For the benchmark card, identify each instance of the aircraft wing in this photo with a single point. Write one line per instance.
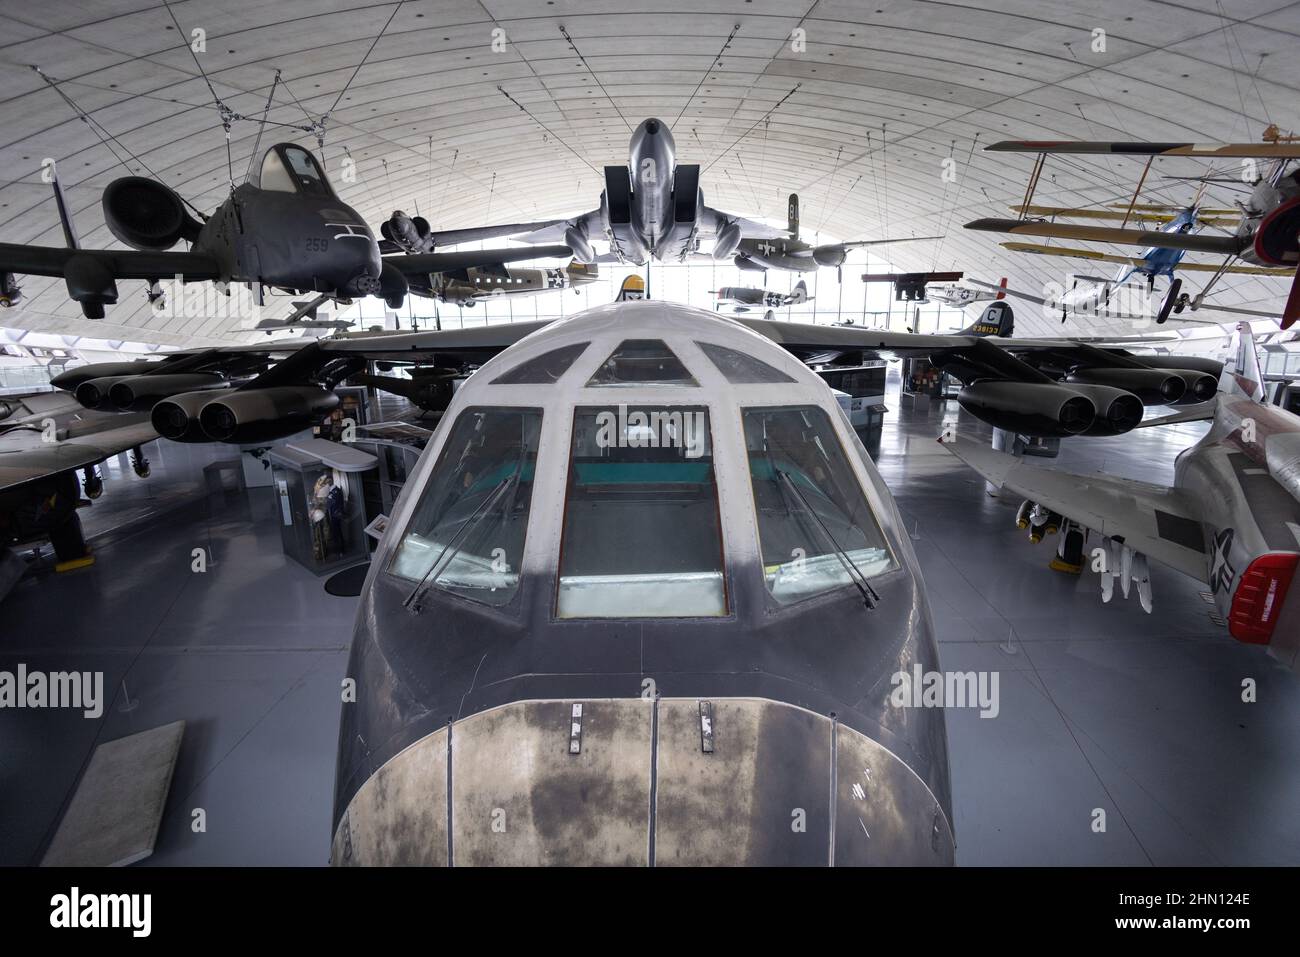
(422, 264)
(453, 237)
(477, 343)
(1192, 242)
(1244, 150)
(1189, 413)
(1158, 521)
(590, 223)
(1074, 253)
(749, 228)
(1114, 214)
(26, 461)
(885, 242)
(123, 264)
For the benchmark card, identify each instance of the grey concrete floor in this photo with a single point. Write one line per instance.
(1102, 706)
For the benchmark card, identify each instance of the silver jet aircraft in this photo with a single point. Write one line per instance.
(1231, 519)
(653, 208)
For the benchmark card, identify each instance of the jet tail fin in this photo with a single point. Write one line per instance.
(1241, 373)
(65, 216)
(792, 212)
(997, 319)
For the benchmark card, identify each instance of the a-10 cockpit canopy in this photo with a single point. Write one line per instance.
(636, 460)
(288, 168)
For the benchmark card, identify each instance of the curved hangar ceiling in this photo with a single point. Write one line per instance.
(857, 118)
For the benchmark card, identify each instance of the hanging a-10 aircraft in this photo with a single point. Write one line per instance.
(284, 227)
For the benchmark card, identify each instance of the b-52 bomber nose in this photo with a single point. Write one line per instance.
(674, 781)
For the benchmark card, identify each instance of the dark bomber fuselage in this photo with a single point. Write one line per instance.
(457, 748)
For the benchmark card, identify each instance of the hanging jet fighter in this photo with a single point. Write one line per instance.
(284, 227)
(1231, 519)
(1267, 233)
(793, 254)
(653, 208)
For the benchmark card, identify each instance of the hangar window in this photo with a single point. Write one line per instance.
(642, 536)
(543, 369)
(467, 534)
(642, 362)
(814, 522)
(742, 369)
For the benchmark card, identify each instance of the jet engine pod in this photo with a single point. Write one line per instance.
(263, 415)
(829, 255)
(577, 240)
(72, 378)
(177, 417)
(1201, 386)
(139, 393)
(1038, 409)
(727, 241)
(1117, 411)
(1152, 386)
(147, 215)
(96, 393)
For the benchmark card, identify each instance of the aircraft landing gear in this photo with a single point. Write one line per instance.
(92, 482)
(1171, 298)
(139, 463)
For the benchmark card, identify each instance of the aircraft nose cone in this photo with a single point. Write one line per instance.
(728, 781)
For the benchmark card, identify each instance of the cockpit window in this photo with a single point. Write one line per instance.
(741, 369)
(814, 522)
(467, 534)
(291, 169)
(642, 362)
(642, 536)
(543, 369)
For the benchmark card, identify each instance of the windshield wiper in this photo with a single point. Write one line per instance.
(452, 548)
(869, 595)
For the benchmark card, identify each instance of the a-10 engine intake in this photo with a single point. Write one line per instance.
(146, 215)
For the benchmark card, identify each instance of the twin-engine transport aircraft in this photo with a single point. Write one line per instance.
(1231, 519)
(284, 227)
(791, 253)
(690, 639)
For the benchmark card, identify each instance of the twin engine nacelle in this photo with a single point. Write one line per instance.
(138, 393)
(1049, 410)
(1152, 386)
(245, 415)
(147, 215)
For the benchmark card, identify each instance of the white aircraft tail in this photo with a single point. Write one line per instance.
(800, 292)
(1241, 373)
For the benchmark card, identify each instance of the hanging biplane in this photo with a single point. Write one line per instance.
(1266, 230)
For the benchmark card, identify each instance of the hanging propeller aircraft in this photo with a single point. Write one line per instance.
(1267, 232)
